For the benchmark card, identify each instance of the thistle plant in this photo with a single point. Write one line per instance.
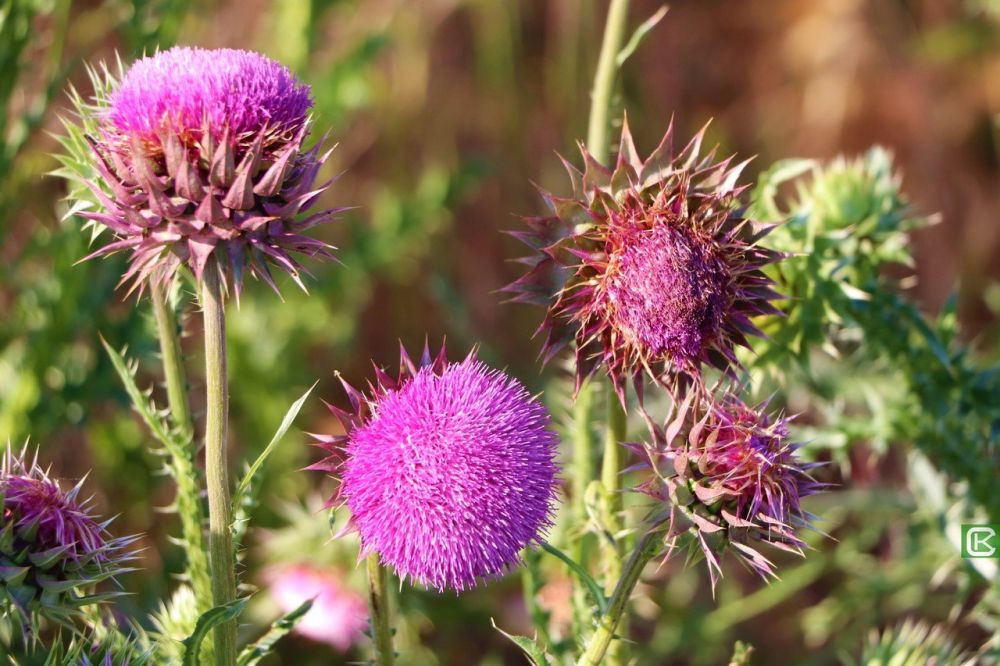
(649, 268)
(448, 471)
(730, 472)
(196, 161)
(53, 550)
(200, 156)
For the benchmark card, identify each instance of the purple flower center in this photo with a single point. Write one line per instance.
(668, 290)
(186, 89)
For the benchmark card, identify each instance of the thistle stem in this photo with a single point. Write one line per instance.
(603, 636)
(583, 474)
(173, 368)
(222, 560)
(378, 607)
(604, 80)
(611, 466)
(182, 459)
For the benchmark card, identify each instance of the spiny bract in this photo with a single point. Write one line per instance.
(648, 268)
(53, 551)
(730, 470)
(448, 470)
(199, 154)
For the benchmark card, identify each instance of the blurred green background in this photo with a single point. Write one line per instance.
(445, 112)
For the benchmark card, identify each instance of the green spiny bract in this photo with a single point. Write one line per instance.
(53, 551)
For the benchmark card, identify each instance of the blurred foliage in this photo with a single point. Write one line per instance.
(444, 114)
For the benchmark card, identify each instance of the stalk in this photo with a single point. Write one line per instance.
(604, 80)
(182, 458)
(599, 643)
(378, 607)
(583, 474)
(597, 144)
(173, 367)
(220, 542)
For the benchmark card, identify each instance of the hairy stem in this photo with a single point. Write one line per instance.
(182, 458)
(173, 367)
(604, 80)
(597, 144)
(601, 641)
(583, 474)
(378, 607)
(220, 540)
(611, 470)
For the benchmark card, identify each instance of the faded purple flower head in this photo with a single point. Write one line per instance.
(50, 537)
(732, 472)
(448, 471)
(199, 161)
(185, 90)
(338, 615)
(649, 268)
(668, 291)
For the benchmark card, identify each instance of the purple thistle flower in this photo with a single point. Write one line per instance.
(199, 155)
(649, 268)
(52, 548)
(448, 470)
(730, 471)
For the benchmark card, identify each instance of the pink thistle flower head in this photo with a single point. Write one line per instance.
(649, 268)
(448, 470)
(52, 548)
(338, 615)
(735, 476)
(198, 160)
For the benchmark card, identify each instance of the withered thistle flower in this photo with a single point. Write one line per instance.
(448, 470)
(199, 154)
(730, 471)
(53, 551)
(649, 267)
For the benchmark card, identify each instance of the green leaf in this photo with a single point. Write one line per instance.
(286, 423)
(531, 647)
(593, 588)
(640, 33)
(208, 621)
(254, 653)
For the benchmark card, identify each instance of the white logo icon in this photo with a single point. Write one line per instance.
(977, 542)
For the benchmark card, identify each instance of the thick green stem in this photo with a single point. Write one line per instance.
(583, 474)
(173, 367)
(597, 144)
(182, 459)
(611, 471)
(603, 636)
(220, 540)
(604, 80)
(378, 607)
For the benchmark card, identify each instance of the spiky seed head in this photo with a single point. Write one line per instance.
(338, 615)
(199, 154)
(649, 268)
(448, 470)
(53, 550)
(730, 470)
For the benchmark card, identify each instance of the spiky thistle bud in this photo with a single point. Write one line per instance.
(53, 550)
(649, 267)
(912, 643)
(730, 471)
(448, 470)
(200, 153)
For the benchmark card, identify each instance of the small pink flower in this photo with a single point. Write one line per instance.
(338, 617)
